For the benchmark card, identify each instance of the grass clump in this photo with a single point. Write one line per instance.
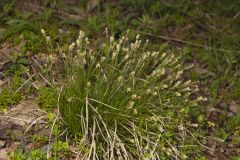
(125, 102)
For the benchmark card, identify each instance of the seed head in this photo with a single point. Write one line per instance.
(164, 55)
(86, 40)
(178, 94)
(81, 35)
(111, 39)
(78, 42)
(201, 98)
(132, 73)
(187, 82)
(134, 96)
(126, 57)
(48, 39)
(148, 91)
(130, 105)
(132, 140)
(137, 37)
(118, 47)
(129, 89)
(135, 111)
(114, 55)
(71, 46)
(120, 78)
(88, 84)
(103, 59)
(165, 86)
(43, 32)
(154, 53)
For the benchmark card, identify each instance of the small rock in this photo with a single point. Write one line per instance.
(200, 70)
(18, 120)
(14, 146)
(3, 154)
(39, 84)
(24, 113)
(61, 31)
(233, 107)
(2, 143)
(230, 114)
(1, 84)
(44, 148)
(223, 105)
(92, 4)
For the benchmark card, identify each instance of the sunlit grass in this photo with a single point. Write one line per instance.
(125, 102)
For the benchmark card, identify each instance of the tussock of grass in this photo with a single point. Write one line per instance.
(124, 102)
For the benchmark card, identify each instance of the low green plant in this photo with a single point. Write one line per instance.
(8, 98)
(125, 102)
(17, 155)
(36, 155)
(39, 138)
(235, 158)
(47, 98)
(60, 149)
(9, 94)
(61, 146)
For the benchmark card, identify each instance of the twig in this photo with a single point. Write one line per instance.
(19, 119)
(24, 83)
(231, 21)
(54, 10)
(206, 147)
(34, 122)
(45, 79)
(78, 155)
(183, 41)
(236, 16)
(39, 65)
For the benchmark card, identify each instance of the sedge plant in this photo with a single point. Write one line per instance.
(122, 101)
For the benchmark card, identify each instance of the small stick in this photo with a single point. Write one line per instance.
(34, 122)
(14, 118)
(24, 83)
(206, 147)
(54, 10)
(41, 74)
(183, 41)
(45, 80)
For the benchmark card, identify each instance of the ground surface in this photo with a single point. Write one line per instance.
(204, 33)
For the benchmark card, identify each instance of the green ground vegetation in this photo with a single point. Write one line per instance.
(203, 33)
